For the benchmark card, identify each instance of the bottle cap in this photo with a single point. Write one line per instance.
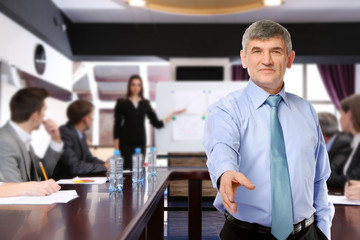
(152, 149)
(137, 150)
(116, 152)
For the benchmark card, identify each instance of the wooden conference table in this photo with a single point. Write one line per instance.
(135, 213)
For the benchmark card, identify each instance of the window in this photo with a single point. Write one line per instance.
(305, 81)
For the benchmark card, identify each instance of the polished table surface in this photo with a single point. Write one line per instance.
(97, 215)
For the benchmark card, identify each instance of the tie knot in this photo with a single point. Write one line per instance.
(273, 100)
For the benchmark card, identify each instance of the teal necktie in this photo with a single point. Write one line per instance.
(282, 215)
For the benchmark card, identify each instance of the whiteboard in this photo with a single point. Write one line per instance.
(183, 134)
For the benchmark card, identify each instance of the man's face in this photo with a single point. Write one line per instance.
(40, 117)
(266, 61)
(89, 120)
(345, 120)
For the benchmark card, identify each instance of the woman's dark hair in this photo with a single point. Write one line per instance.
(352, 103)
(131, 79)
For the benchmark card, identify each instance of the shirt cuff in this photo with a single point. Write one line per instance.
(222, 152)
(57, 147)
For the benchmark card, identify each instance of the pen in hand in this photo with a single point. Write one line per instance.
(43, 170)
(347, 180)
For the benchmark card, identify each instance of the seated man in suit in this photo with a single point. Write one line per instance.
(337, 145)
(18, 162)
(77, 159)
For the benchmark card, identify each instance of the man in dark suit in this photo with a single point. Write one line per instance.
(18, 162)
(338, 147)
(77, 159)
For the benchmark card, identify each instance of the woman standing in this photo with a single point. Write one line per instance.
(129, 127)
(350, 122)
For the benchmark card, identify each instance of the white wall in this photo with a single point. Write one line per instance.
(17, 47)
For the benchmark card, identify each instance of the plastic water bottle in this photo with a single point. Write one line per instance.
(152, 161)
(119, 173)
(137, 166)
(116, 172)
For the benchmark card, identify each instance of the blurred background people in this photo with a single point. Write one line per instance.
(337, 145)
(129, 125)
(77, 159)
(18, 162)
(350, 122)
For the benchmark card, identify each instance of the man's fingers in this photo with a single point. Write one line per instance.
(227, 189)
(244, 181)
(229, 205)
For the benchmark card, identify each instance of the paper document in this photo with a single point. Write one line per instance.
(83, 180)
(63, 196)
(335, 199)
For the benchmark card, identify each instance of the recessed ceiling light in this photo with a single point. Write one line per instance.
(272, 3)
(137, 3)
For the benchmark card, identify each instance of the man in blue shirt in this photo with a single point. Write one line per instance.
(237, 143)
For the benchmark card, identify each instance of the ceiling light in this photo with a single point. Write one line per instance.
(137, 3)
(272, 3)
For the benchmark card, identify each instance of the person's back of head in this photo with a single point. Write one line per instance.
(78, 110)
(25, 102)
(328, 124)
(352, 104)
(265, 29)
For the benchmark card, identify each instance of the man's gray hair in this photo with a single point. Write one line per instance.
(328, 124)
(265, 29)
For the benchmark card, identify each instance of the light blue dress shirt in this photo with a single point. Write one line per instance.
(237, 137)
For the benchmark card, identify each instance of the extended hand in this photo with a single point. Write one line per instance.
(229, 183)
(53, 130)
(179, 111)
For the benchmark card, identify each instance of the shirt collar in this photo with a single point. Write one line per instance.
(330, 142)
(23, 135)
(259, 95)
(78, 132)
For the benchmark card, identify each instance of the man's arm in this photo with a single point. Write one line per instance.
(29, 188)
(9, 161)
(54, 150)
(324, 209)
(222, 141)
(72, 161)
